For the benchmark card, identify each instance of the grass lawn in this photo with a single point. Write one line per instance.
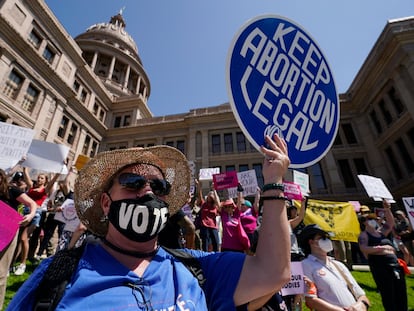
(14, 282)
(367, 283)
(364, 279)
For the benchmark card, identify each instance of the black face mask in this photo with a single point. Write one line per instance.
(139, 219)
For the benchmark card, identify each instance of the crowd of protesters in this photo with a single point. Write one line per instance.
(124, 198)
(37, 198)
(223, 224)
(396, 236)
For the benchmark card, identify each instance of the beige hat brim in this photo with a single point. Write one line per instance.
(95, 175)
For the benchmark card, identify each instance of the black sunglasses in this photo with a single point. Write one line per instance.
(136, 182)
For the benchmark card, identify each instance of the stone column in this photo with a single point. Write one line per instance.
(81, 140)
(54, 126)
(205, 149)
(403, 81)
(144, 95)
(94, 60)
(111, 68)
(138, 85)
(126, 77)
(22, 91)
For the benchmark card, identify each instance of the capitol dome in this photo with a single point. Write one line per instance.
(113, 55)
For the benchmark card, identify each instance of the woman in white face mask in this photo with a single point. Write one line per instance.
(328, 280)
(388, 275)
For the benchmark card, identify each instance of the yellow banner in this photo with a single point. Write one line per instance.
(337, 218)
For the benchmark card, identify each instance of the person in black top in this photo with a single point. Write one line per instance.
(382, 260)
(176, 232)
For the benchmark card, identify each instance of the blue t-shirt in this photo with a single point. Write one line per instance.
(102, 283)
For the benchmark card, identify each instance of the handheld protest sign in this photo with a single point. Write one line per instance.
(278, 80)
(81, 161)
(302, 179)
(409, 207)
(68, 215)
(225, 180)
(248, 180)
(47, 156)
(207, 173)
(296, 284)
(9, 224)
(14, 144)
(292, 191)
(376, 188)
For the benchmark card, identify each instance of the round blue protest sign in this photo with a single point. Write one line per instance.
(278, 80)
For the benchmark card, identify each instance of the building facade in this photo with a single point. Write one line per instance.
(90, 93)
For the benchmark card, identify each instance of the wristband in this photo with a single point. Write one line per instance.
(275, 198)
(273, 186)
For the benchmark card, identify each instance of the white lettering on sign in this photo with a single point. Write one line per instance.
(294, 71)
(138, 217)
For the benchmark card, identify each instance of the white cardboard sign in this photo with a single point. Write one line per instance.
(302, 179)
(248, 180)
(46, 156)
(296, 285)
(68, 215)
(375, 188)
(14, 143)
(207, 173)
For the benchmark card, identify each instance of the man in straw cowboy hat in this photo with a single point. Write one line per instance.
(125, 197)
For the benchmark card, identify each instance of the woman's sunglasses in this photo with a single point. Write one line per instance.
(133, 181)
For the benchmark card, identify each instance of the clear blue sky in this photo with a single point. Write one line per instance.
(184, 43)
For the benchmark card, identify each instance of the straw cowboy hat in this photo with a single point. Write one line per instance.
(94, 177)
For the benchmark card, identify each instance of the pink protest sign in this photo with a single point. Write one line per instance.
(9, 224)
(292, 191)
(225, 180)
(356, 205)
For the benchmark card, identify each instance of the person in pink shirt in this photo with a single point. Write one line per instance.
(248, 216)
(233, 233)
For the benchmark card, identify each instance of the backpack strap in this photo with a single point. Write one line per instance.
(57, 275)
(190, 262)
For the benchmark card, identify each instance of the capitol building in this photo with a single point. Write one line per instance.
(90, 93)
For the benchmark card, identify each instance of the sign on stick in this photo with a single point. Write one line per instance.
(375, 188)
(279, 81)
(14, 143)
